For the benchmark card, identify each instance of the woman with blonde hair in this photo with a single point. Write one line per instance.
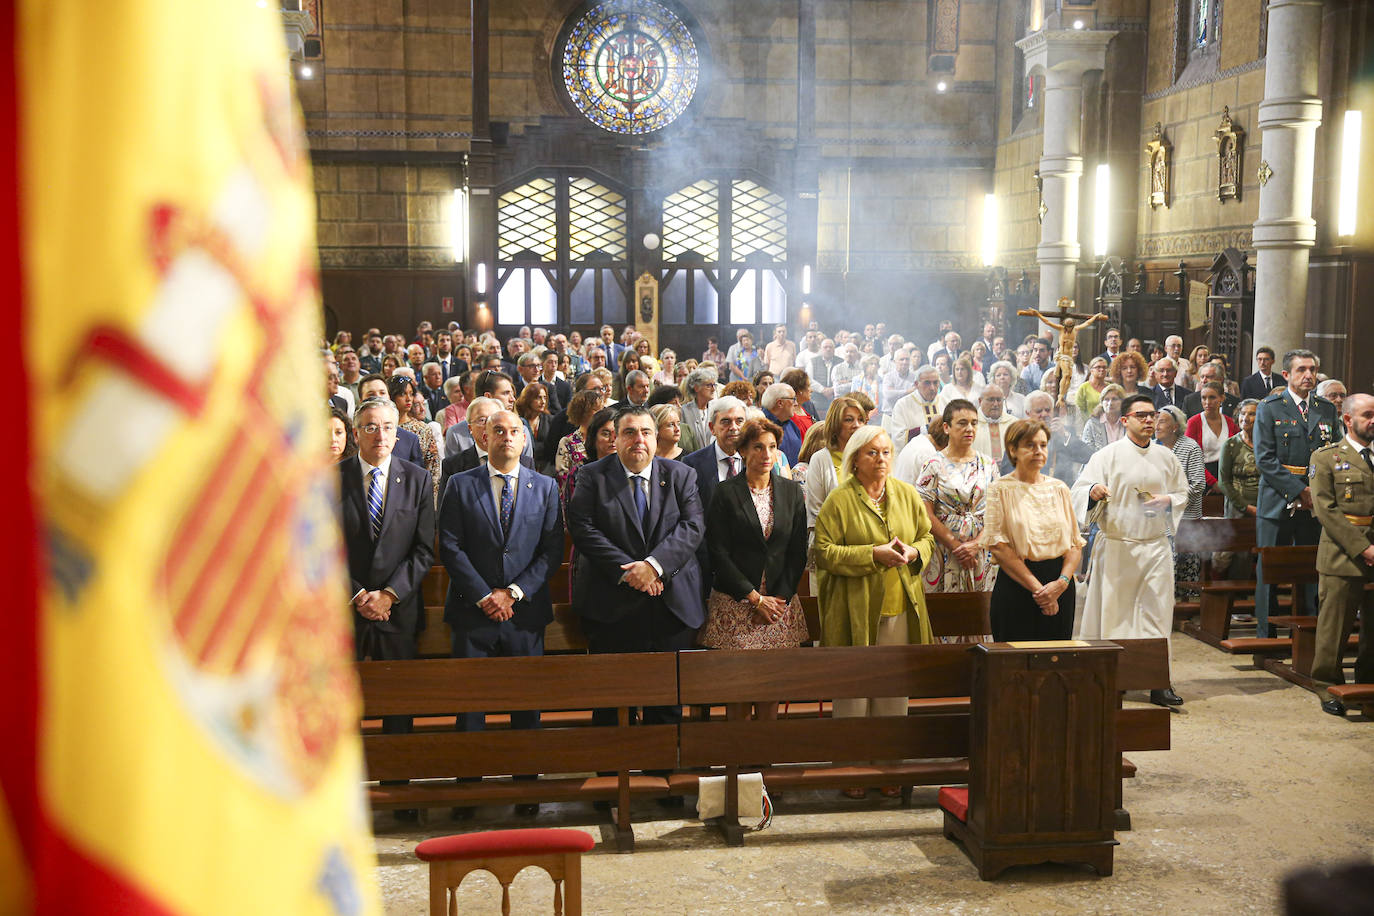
(872, 541)
(1104, 426)
(843, 418)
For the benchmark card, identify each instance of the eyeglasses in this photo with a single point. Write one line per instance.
(1142, 415)
(373, 428)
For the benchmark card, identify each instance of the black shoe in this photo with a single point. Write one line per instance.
(407, 815)
(527, 810)
(463, 814)
(1165, 697)
(1333, 706)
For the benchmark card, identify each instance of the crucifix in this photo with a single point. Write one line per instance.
(1068, 329)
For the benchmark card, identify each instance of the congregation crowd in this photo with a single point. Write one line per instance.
(697, 493)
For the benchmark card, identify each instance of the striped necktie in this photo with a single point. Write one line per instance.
(374, 501)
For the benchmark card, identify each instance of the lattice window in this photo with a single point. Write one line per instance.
(526, 221)
(758, 222)
(691, 221)
(596, 218)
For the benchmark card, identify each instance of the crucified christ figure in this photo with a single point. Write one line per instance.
(1068, 333)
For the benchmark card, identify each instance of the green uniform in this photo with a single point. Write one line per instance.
(1343, 502)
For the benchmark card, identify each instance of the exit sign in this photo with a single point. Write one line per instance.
(446, 305)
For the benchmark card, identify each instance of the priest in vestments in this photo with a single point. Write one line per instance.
(1131, 489)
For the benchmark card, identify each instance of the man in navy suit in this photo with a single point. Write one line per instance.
(1167, 393)
(1259, 385)
(387, 508)
(480, 412)
(637, 522)
(500, 538)
(714, 463)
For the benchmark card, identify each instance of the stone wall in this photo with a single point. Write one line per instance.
(384, 215)
(1196, 225)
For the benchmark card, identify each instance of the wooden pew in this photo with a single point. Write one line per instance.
(1298, 670)
(1219, 598)
(1361, 695)
(814, 752)
(442, 687)
(1290, 568)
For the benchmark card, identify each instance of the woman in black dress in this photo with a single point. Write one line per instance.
(1030, 528)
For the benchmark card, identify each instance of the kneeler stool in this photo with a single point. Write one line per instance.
(505, 853)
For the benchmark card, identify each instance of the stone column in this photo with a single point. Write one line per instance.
(1289, 115)
(1063, 55)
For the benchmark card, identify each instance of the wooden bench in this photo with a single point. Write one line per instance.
(1298, 670)
(441, 687)
(819, 752)
(1219, 598)
(1288, 569)
(1361, 695)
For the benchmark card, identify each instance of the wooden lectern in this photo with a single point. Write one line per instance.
(1043, 759)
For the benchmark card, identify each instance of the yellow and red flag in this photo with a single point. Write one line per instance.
(180, 708)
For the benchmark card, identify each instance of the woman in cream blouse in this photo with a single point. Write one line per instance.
(1030, 528)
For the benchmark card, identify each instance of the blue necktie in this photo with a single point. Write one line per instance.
(641, 498)
(507, 503)
(374, 501)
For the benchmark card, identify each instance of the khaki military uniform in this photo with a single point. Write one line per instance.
(1343, 502)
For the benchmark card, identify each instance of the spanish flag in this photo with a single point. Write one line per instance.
(180, 711)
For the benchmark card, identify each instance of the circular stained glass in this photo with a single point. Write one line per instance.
(630, 66)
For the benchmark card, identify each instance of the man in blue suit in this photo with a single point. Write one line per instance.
(1289, 427)
(500, 538)
(637, 522)
(714, 463)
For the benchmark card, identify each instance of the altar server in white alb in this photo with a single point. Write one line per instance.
(1131, 489)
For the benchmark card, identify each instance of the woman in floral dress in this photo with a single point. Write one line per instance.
(954, 486)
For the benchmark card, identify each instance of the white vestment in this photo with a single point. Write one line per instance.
(910, 412)
(1131, 575)
(913, 457)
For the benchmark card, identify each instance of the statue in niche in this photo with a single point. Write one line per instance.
(1230, 141)
(1160, 152)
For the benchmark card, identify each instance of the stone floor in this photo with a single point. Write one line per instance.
(1259, 781)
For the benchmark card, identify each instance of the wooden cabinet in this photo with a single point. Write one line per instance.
(1043, 758)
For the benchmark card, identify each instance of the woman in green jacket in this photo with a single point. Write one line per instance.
(872, 540)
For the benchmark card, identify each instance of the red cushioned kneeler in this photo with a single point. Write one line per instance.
(531, 842)
(955, 801)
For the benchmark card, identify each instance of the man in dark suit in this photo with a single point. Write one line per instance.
(1166, 393)
(407, 445)
(1112, 341)
(1210, 372)
(480, 412)
(449, 364)
(1289, 427)
(500, 538)
(388, 523)
(1262, 382)
(637, 522)
(717, 461)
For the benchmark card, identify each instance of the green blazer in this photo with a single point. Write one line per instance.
(1342, 485)
(851, 583)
